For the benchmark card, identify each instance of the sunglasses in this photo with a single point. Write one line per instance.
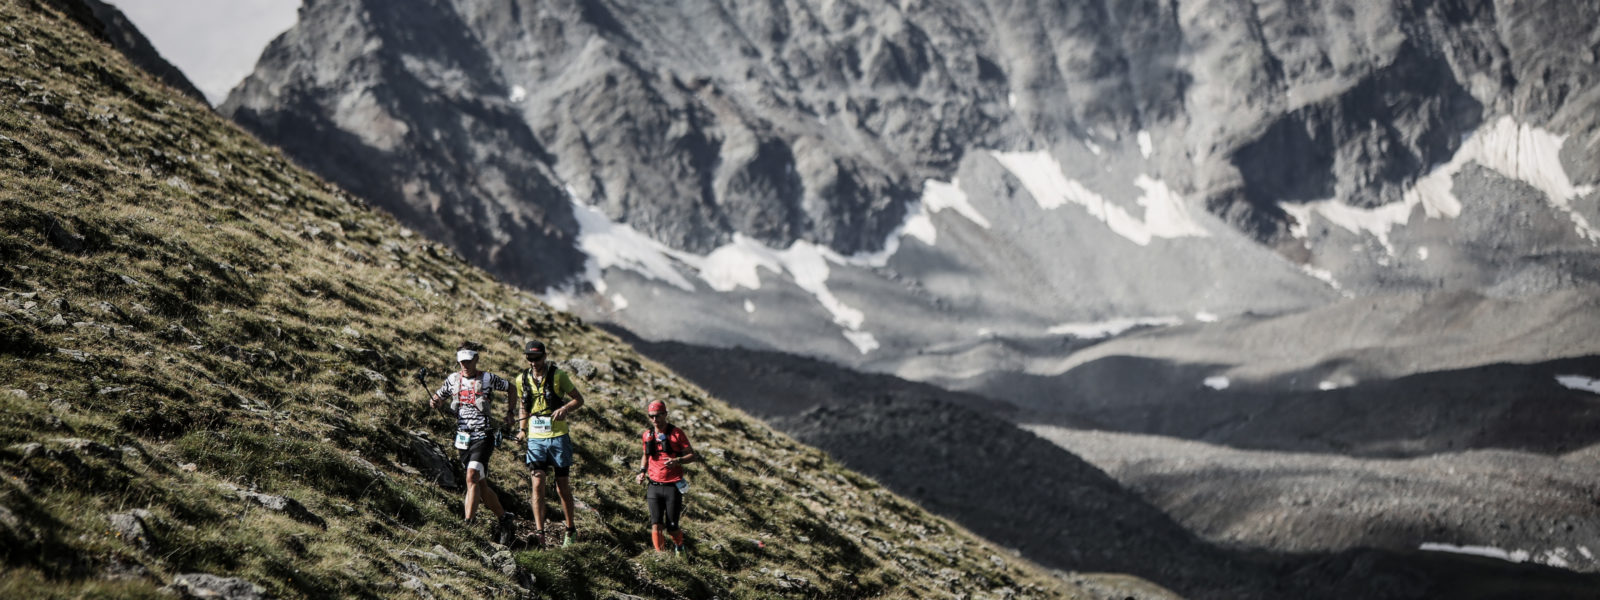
(654, 415)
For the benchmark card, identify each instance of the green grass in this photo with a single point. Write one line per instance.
(228, 321)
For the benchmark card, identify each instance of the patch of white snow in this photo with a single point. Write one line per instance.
(1216, 382)
(1166, 214)
(938, 195)
(1145, 147)
(518, 93)
(1102, 329)
(1205, 317)
(1491, 552)
(610, 245)
(1518, 151)
(749, 307)
(1422, 253)
(1579, 382)
(618, 302)
(863, 341)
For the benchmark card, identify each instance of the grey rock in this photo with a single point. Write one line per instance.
(131, 528)
(285, 505)
(205, 586)
(416, 585)
(11, 522)
(581, 367)
(89, 447)
(28, 450)
(440, 550)
(118, 568)
(431, 460)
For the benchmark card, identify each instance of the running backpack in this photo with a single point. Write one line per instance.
(526, 386)
(653, 447)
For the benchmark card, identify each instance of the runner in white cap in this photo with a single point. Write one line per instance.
(471, 394)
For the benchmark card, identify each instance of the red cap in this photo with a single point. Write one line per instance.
(657, 406)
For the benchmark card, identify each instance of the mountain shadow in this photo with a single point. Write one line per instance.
(956, 455)
(1498, 406)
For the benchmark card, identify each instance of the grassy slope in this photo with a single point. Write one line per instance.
(211, 315)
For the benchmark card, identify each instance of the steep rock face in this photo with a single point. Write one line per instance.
(785, 121)
(405, 110)
(774, 174)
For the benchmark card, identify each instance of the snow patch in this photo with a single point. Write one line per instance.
(1011, 100)
(1555, 557)
(1145, 147)
(611, 245)
(1579, 382)
(1491, 552)
(749, 307)
(618, 302)
(863, 341)
(938, 195)
(518, 93)
(920, 226)
(1217, 382)
(1205, 317)
(1102, 329)
(1093, 148)
(1422, 253)
(1517, 151)
(1166, 214)
(1323, 274)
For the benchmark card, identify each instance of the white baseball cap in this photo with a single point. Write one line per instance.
(465, 355)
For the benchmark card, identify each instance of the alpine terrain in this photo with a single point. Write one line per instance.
(206, 360)
(1307, 277)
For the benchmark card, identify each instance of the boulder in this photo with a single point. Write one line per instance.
(436, 467)
(132, 528)
(204, 586)
(285, 505)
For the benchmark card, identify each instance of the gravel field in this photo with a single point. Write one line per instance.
(1544, 509)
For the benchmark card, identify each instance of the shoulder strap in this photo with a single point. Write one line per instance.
(550, 380)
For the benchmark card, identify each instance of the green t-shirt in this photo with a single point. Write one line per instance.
(531, 391)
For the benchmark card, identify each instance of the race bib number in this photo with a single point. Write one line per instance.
(462, 437)
(539, 424)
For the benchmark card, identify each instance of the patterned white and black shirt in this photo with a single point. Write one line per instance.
(471, 399)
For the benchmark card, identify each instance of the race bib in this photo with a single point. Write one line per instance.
(462, 437)
(469, 396)
(539, 424)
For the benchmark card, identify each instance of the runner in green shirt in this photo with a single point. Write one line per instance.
(548, 396)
